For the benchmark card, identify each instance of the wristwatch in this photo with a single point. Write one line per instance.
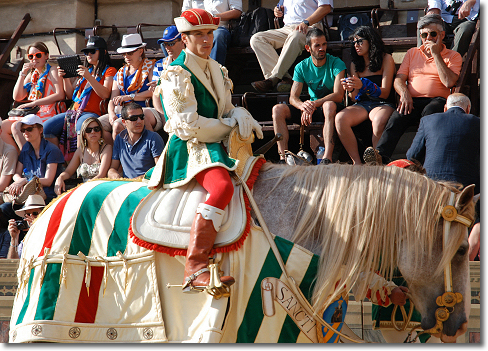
(132, 96)
(306, 22)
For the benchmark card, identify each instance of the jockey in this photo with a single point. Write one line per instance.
(195, 92)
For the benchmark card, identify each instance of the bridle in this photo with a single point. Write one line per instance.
(448, 299)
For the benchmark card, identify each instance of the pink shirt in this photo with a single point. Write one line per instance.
(422, 75)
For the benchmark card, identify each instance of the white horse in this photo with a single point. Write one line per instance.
(357, 219)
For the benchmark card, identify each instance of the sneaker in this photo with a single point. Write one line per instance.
(372, 156)
(263, 86)
(325, 161)
(284, 86)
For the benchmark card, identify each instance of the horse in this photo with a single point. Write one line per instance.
(353, 219)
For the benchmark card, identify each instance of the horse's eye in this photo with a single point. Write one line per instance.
(461, 251)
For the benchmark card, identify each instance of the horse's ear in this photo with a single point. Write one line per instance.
(466, 197)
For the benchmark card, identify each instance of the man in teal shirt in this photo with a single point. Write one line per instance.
(322, 73)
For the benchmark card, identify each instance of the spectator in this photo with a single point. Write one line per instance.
(197, 124)
(171, 40)
(93, 86)
(38, 83)
(430, 70)
(460, 18)
(136, 149)
(448, 143)
(298, 17)
(225, 10)
(131, 83)
(322, 73)
(8, 162)
(92, 159)
(38, 158)
(370, 85)
(29, 212)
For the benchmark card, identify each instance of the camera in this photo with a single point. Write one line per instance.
(22, 224)
(452, 9)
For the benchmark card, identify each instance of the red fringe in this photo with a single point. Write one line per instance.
(231, 247)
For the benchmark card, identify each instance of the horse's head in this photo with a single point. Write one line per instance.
(428, 277)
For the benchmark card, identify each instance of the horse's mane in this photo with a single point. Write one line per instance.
(360, 215)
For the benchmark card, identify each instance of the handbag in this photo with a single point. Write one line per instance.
(22, 112)
(32, 187)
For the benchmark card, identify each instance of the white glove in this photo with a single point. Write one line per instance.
(246, 122)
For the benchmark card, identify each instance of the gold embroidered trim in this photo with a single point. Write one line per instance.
(177, 101)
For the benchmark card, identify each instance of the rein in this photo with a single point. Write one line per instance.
(293, 284)
(447, 300)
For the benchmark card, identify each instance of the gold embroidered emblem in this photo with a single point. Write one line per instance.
(177, 101)
(197, 155)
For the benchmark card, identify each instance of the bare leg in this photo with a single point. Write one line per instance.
(344, 121)
(17, 134)
(329, 108)
(7, 133)
(116, 129)
(149, 119)
(280, 114)
(107, 136)
(379, 117)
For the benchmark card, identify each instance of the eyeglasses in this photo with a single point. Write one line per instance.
(90, 51)
(28, 129)
(94, 129)
(134, 118)
(35, 213)
(359, 42)
(38, 55)
(129, 53)
(424, 35)
(170, 44)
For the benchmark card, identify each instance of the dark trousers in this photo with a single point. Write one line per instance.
(398, 123)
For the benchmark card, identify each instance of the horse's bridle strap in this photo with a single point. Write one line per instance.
(449, 213)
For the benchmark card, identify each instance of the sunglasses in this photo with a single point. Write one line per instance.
(35, 213)
(38, 55)
(424, 35)
(28, 129)
(135, 117)
(129, 53)
(359, 42)
(91, 51)
(94, 129)
(170, 44)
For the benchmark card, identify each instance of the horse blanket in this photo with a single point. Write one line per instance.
(90, 282)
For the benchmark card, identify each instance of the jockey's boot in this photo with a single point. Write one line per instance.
(202, 237)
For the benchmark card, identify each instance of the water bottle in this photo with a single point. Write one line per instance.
(320, 154)
(28, 174)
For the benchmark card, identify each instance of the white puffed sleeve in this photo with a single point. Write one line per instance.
(180, 106)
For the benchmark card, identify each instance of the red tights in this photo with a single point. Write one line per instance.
(217, 182)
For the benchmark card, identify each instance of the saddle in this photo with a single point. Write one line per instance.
(163, 219)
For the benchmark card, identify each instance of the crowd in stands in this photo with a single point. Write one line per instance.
(122, 138)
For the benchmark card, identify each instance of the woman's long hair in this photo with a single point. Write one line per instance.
(376, 49)
(84, 125)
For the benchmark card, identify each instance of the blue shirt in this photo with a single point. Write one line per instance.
(48, 153)
(137, 159)
(128, 80)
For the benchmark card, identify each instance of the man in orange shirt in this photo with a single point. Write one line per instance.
(430, 70)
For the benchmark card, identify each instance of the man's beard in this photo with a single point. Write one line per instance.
(319, 55)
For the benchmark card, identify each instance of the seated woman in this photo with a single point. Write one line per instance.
(131, 83)
(38, 158)
(40, 84)
(94, 85)
(92, 159)
(370, 85)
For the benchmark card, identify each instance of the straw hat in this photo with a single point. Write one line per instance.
(33, 201)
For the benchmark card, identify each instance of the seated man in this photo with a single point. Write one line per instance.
(225, 10)
(197, 123)
(431, 70)
(460, 18)
(171, 41)
(298, 17)
(448, 143)
(17, 229)
(322, 73)
(136, 149)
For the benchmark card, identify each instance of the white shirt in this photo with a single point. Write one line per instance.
(298, 10)
(213, 6)
(446, 16)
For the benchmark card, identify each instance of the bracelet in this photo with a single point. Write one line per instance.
(14, 245)
(22, 74)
